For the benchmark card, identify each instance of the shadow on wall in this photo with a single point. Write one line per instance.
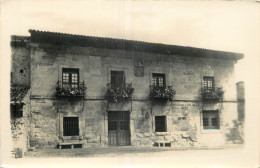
(236, 134)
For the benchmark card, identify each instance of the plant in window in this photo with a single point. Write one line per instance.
(216, 94)
(117, 94)
(220, 93)
(164, 93)
(67, 90)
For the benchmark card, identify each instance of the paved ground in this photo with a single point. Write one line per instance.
(234, 157)
(114, 151)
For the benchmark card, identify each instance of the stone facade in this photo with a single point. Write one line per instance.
(20, 96)
(183, 115)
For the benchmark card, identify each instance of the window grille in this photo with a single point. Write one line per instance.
(70, 126)
(160, 124)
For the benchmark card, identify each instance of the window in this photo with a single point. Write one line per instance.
(17, 110)
(70, 77)
(117, 79)
(208, 83)
(11, 77)
(158, 80)
(160, 124)
(210, 120)
(70, 126)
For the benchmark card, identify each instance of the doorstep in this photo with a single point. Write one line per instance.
(71, 144)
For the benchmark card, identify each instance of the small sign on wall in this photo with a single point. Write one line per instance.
(138, 66)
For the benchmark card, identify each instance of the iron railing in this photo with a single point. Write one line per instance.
(162, 93)
(119, 94)
(214, 94)
(69, 89)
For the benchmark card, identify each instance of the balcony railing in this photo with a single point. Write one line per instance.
(70, 90)
(162, 93)
(119, 94)
(215, 94)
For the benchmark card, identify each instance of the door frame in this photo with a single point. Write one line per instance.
(118, 128)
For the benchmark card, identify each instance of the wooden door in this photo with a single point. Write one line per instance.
(118, 128)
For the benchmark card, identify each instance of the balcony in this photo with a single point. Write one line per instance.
(70, 90)
(215, 94)
(116, 94)
(162, 93)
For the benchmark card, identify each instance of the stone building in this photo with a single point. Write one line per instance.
(90, 91)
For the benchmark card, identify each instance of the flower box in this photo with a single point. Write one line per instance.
(66, 90)
(213, 94)
(122, 94)
(162, 93)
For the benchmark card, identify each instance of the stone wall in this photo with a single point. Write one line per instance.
(184, 115)
(20, 128)
(20, 66)
(20, 76)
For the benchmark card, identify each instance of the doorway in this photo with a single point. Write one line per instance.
(118, 128)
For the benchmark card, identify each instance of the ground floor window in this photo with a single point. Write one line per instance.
(70, 126)
(210, 119)
(160, 124)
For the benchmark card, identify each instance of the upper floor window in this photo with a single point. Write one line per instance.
(208, 83)
(70, 77)
(117, 79)
(210, 120)
(158, 80)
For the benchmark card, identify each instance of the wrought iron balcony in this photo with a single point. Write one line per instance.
(162, 93)
(119, 94)
(214, 94)
(70, 90)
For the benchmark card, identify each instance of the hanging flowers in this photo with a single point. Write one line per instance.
(67, 90)
(117, 94)
(216, 94)
(163, 92)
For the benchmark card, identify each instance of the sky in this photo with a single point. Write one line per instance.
(219, 25)
(228, 26)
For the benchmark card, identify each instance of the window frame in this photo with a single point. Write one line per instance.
(116, 74)
(209, 115)
(77, 126)
(158, 128)
(156, 80)
(206, 80)
(70, 72)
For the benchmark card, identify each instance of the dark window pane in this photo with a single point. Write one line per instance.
(205, 122)
(112, 125)
(214, 121)
(160, 123)
(124, 125)
(117, 79)
(70, 126)
(210, 120)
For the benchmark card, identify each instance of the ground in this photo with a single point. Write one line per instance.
(234, 156)
(125, 151)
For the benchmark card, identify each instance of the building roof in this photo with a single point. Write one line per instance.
(129, 45)
(17, 94)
